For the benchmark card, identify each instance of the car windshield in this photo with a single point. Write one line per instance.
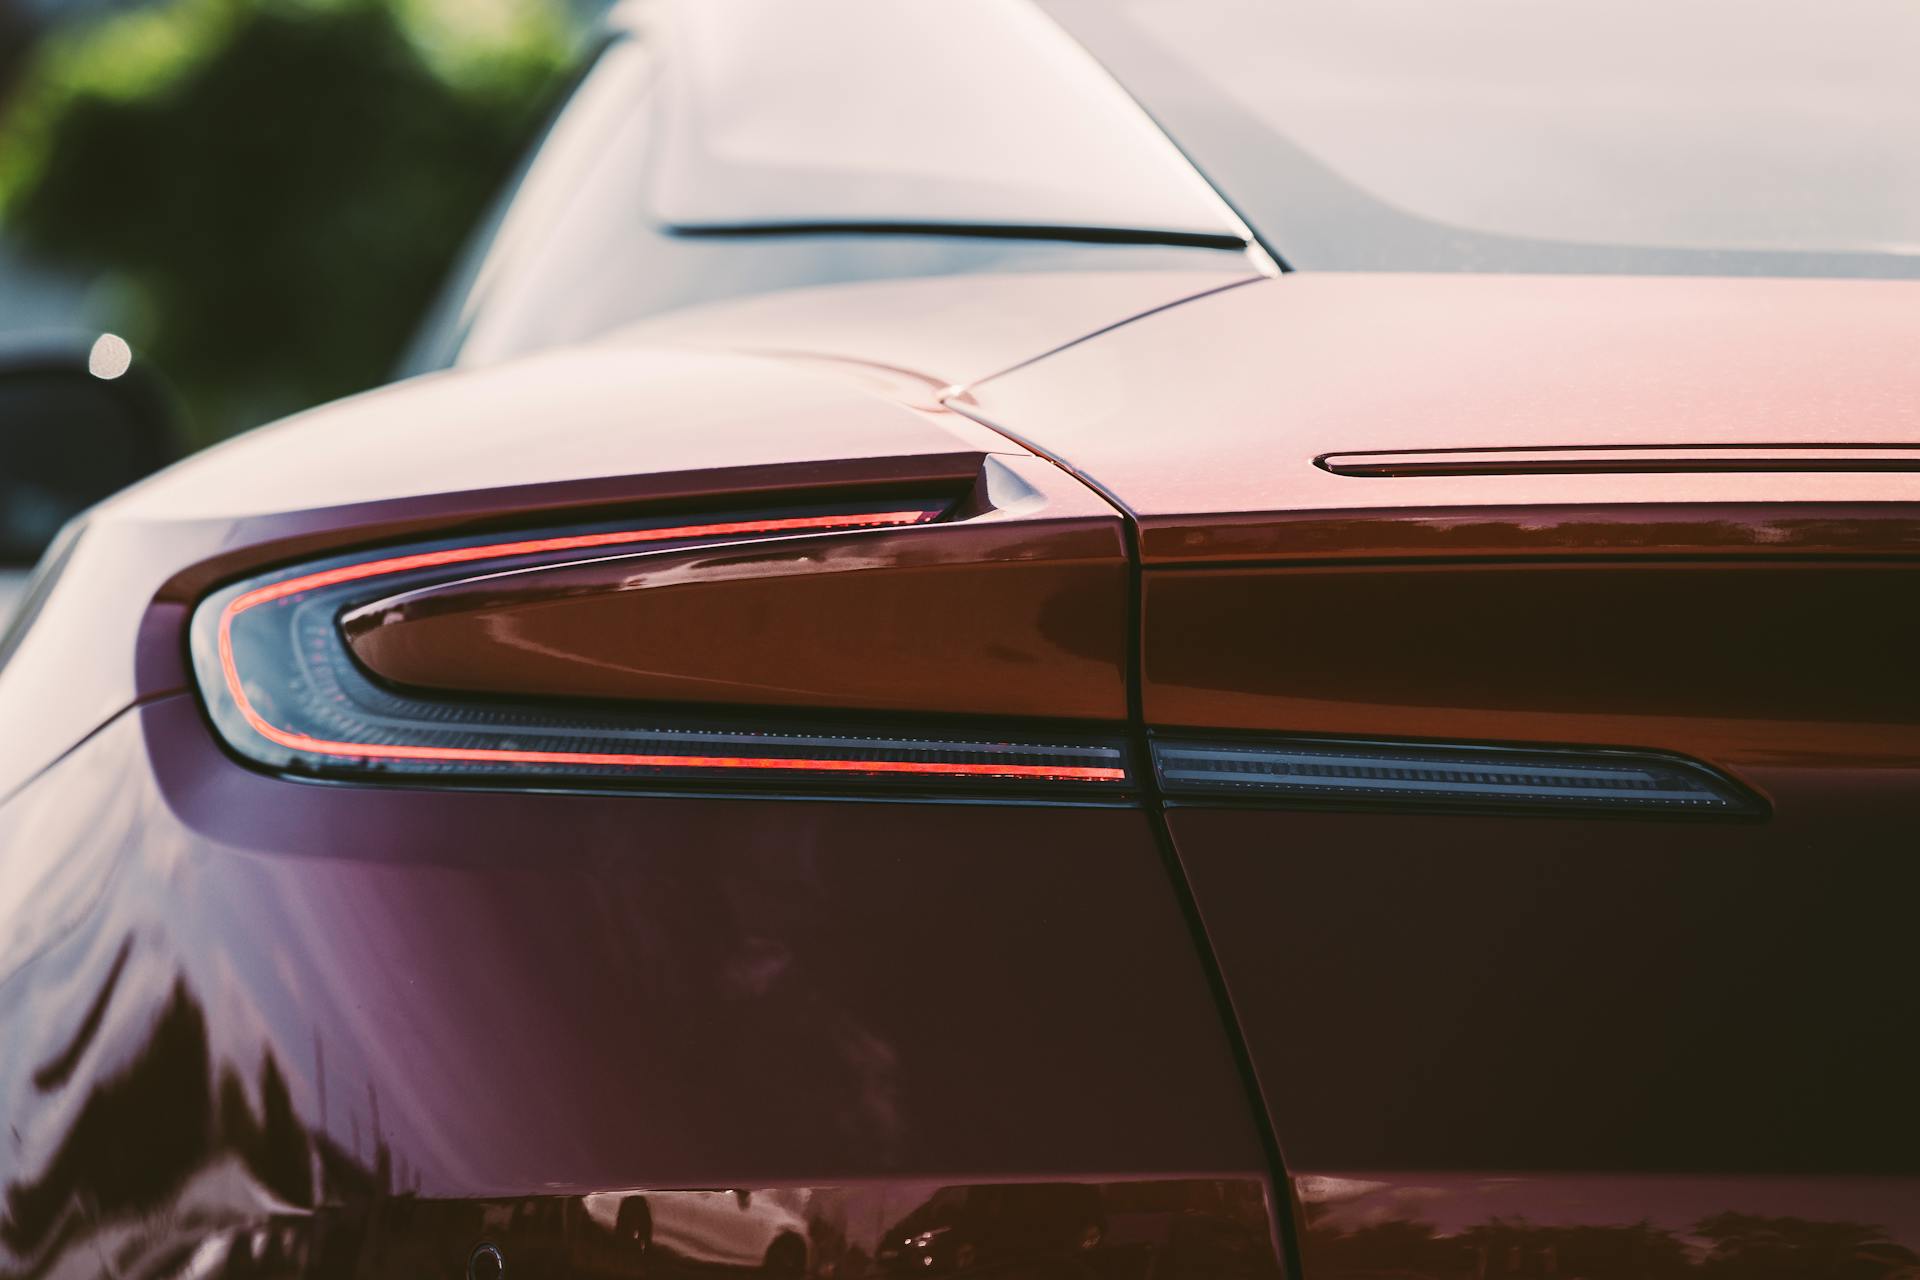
(1716, 137)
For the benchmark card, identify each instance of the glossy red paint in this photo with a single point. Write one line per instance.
(1735, 662)
(302, 1001)
(1013, 607)
(1129, 1229)
(1608, 1227)
(938, 333)
(1552, 1033)
(1553, 1017)
(1205, 419)
(290, 1019)
(323, 1008)
(1506, 1007)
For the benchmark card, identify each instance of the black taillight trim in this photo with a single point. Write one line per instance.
(1420, 775)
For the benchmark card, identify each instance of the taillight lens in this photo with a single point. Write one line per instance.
(285, 691)
(1410, 775)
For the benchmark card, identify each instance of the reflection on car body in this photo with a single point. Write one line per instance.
(961, 1228)
(715, 1228)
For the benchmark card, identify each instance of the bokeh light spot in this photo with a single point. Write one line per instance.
(110, 357)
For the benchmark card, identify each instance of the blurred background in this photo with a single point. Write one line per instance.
(259, 196)
(254, 200)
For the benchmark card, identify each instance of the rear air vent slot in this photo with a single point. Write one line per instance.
(1627, 460)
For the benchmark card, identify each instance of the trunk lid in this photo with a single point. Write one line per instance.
(1673, 516)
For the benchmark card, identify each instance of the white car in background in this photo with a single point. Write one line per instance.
(765, 1230)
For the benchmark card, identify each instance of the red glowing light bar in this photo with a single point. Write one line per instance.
(570, 542)
(386, 751)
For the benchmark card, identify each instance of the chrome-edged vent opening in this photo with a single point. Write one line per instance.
(1422, 775)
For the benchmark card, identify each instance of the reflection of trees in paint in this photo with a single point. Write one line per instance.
(1741, 1246)
(170, 1166)
(1501, 1247)
(138, 1136)
(1754, 1248)
(141, 1135)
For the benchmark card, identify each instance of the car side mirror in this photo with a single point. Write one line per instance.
(76, 424)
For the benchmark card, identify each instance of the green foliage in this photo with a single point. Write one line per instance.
(270, 192)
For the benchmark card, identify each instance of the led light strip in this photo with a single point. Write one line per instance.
(569, 542)
(1080, 770)
(395, 751)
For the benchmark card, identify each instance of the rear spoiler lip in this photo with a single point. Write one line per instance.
(1623, 529)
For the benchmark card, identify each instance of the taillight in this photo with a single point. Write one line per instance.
(1414, 775)
(285, 690)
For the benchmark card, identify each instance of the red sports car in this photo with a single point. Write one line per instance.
(1112, 638)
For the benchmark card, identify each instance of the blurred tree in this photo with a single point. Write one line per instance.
(16, 34)
(272, 190)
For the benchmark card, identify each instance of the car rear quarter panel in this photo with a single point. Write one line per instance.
(341, 991)
(233, 1003)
